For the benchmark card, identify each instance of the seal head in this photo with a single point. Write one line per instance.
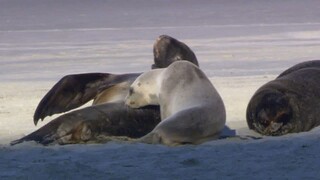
(273, 114)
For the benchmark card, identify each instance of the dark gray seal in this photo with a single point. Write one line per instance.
(96, 124)
(288, 104)
(72, 91)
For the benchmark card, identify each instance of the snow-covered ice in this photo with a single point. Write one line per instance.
(240, 45)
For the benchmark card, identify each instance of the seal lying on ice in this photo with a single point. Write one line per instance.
(191, 109)
(288, 104)
(102, 118)
(96, 124)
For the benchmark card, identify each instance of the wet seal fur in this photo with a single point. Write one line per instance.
(288, 104)
(87, 124)
(191, 109)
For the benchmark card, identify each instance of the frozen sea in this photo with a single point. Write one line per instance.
(240, 45)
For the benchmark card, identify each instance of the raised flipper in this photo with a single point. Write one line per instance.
(167, 50)
(94, 123)
(307, 64)
(72, 91)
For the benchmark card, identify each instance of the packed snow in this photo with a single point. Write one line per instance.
(240, 45)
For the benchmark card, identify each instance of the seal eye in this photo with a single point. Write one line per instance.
(131, 91)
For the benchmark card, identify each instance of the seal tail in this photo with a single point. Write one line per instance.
(45, 135)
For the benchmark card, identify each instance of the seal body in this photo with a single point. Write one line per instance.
(288, 104)
(99, 123)
(191, 109)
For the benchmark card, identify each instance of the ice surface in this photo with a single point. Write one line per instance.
(240, 44)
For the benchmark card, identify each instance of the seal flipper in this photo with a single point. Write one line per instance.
(72, 91)
(44, 135)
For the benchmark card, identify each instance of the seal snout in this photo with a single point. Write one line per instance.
(128, 100)
(130, 103)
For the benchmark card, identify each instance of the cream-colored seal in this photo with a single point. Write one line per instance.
(192, 111)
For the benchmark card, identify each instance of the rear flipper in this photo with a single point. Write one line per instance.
(66, 129)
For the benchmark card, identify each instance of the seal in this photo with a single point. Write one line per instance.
(97, 124)
(191, 109)
(74, 90)
(287, 104)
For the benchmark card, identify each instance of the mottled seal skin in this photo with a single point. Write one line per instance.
(87, 124)
(288, 104)
(167, 50)
(96, 124)
(192, 111)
